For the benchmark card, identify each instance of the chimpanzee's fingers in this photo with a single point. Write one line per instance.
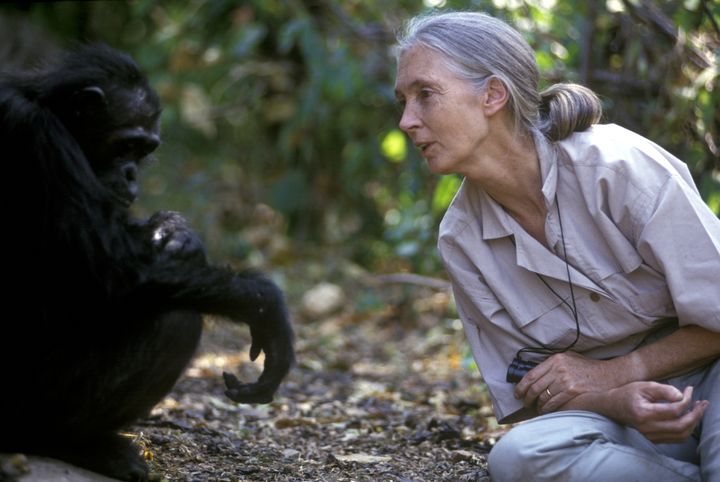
(260, 392)
(250, 394)
(273, 335)
(279, 358)
(258, 344)
(231, 381)
(255, 349)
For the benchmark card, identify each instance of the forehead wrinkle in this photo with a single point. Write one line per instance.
(425, 76)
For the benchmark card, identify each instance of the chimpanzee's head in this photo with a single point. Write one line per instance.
(112, 112)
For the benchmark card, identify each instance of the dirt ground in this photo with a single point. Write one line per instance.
(382, 394)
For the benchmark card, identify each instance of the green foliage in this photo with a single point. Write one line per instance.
(394, 145)
(290, 103)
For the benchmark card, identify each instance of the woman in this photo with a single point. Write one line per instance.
(582, 247)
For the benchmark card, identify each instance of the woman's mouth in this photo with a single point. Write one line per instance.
(424, 146)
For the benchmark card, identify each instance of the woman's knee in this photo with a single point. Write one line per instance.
(538, 449)
(508, 460)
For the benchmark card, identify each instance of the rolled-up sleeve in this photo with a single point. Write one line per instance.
(680, 238)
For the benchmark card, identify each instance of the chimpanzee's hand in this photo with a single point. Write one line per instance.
(170, 235)
(271, 333)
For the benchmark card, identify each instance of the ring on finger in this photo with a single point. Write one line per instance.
(547, 390)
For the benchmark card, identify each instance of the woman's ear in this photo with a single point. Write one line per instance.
(496, 96)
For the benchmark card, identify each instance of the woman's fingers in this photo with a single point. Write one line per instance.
(531, 385)
(675, 430)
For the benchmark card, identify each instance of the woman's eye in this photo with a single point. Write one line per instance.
(425, 94)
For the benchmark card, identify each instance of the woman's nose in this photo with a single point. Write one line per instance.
(409, 119)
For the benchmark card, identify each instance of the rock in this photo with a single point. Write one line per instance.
(291, 453)
(323, 300)
(41, 469)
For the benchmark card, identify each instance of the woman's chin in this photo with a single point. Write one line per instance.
(438, 168)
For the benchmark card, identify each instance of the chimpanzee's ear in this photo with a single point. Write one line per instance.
(89, 101)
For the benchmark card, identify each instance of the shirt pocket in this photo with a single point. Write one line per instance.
(529, 317)
(643, 292)
(548, 321)
(602, 321)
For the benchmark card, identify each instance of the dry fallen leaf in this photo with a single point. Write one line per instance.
(363, 458)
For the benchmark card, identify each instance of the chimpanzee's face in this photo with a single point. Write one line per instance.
(117, 128)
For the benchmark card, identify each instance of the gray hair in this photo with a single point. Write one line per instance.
(478, 47)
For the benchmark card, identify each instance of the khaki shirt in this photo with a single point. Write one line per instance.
(641, 244)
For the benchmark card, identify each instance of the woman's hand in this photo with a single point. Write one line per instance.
(662, 413)
(554, 383)
(569, 381)
(564, 376)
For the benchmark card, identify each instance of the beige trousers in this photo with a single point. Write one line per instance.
(587, 447)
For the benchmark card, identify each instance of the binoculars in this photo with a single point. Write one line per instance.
(518, 368)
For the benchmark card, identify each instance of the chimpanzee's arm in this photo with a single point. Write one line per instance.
(247, 297)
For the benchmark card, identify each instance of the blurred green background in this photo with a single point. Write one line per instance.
(280, 125)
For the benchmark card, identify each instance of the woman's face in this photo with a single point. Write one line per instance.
(442, 113)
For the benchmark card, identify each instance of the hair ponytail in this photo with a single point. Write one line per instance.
(568, 108)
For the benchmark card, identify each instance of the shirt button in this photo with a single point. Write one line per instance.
(595, 297)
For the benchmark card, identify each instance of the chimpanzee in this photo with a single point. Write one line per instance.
(102, 313)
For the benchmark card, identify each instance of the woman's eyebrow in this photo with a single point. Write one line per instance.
(415, 84)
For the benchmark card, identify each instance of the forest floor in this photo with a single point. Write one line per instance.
(384, 390)
(384, 393)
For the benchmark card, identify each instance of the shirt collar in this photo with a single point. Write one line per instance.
(547, 157)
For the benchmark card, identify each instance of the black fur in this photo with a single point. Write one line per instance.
(106, 309)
